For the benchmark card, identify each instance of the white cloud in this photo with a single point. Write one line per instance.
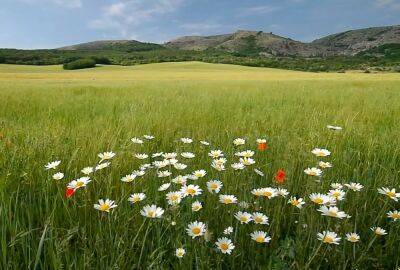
(62, 3)
(257, 10)
(200, 27)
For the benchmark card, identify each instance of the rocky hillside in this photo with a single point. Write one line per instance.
(117, 45)
(355, 41)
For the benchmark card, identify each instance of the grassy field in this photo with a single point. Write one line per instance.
(48, 114)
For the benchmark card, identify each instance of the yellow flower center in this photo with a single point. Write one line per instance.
(174, 197)
(391, 194)
(214, 186)
(260, 239)
(312, 173)
(243, 218)
(135, 199)
(104, 207)
(191, 191)
(151, 214)
(295, 202)
(318, 200)
(224, 246)
(79, 184)
(196, 230)
(258, 219)
(227, 200)
(328, 239)
(267, 193)
(396, 215)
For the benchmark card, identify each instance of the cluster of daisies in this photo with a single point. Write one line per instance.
(178, 186)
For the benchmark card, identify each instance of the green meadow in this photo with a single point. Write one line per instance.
(49, 114)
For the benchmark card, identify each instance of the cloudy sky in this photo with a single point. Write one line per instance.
(55, 23)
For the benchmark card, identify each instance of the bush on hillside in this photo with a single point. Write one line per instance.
(80, 64)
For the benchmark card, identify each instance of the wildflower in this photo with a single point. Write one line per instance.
(180, 166)
(105, 205)
(262, 144)
(239, 141)
(245, 154)
(395, 215)
(296, 202)
(260, 218)
(214, 186)
(228, 230)
(282, 192)
(136, 197)
(186, 140)
(352, 237)
(155, 155)
(247, 161)
(52, 165)
(199, 174)
(313, 171)
(215, 154)
(191, 190)
(174, 197)
(169, 155)
(196, 229)
(102, 166)
(196, 206)
(181, 180)
(152, 211)
(320, 199)
(338, 194)
(324, 165)
(257, 192)
(320, 152)
(87, 170)
(79, 183)
(148, 137)
(391, 193)
(260, 173)
(227, 199)
(137, 140)
(187, 155)
(204, 143)
(128, 178)
(336, 186)
(334, 127)
(244, 204)
(164, 187)
(139, 173)
(379, 231)
(260, 237)
(162, 174)
(145, 167)
(269, 192)
(106, 156)
(69, 192)
(354, 186)
(243, 217)
(328, 237)
(208, 235)
(280, 176)
(141, 156)
(237, 166)
(219, 167)
(180, 252)
(332, 212)
(160, 164)
(58, 176)
(225, 245)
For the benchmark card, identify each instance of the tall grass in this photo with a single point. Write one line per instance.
(43, 120)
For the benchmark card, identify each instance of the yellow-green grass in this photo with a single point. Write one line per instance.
(47, 114)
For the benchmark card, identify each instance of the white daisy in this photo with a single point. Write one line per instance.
(148, 137)
(215, 154)
(105, 205)
(128, 178)
(174, 197)
(169, 155)
(243, 217)
(336, 186)
(298, 202)
(196, 206)
(79, 183)
(52, 165)
(354, 186)
(186, 140)
(228, 230)
(352, 237)
(260, 237)
(191, 190)
(395, 215)
(379, 231)
(313, 171)
(214, 186)
(239, 141)
(320, 152)
(199, 174)
(180, 252)
(324, 165)
(334, 127)
(188, 155)
(58, 176)
(332, 212)
(328, 237)
(227, 199)
(87, 170)
(137, 140)
(181, 180)
(391, 193)
(102, 166)
(164, 187)
(204, 143)
(136, 197)
(106, 156)
(162, 174)
(196, 229)
(237, 166)
(141, 156)
(152, 211)
(260, 218)
(225, 245)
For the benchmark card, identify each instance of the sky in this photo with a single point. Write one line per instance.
(33, 24)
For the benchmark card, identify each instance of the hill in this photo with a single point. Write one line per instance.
(117, 45)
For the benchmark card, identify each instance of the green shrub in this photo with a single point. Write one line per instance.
(396, 69)
(80, 64)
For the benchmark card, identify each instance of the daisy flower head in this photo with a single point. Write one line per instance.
(205, 143)
(391, 193)
(102, 166)
(225, 245)
(196, 229)
(260, 218)
(319, 152)
(136, 197)
(395, 215)
(180, 166)
(260, 237)
(239, 141)
(379, 231)
(352, 237)
(141, 156)
(260, 173)
(79, 183)
(58, 176)
(199, 174)
(106, 156)
(148, 137)
(164, 187)
(174, 197)
(87, 170)
(332, 212)
(334, 127)
(196, 206)
(160, 164)
(152, 211)
(338, 194)
(105, 205)
(269, 192)
(156, 155)
(186, 140)
(139, 173)
(188, 155)
(169, 155)
(191, 190)
(163, 174)
(324, 165)
(52, 165)
(319, 198)
(298, 202)
(237, 166)
(354, 186)
(227, 199)
(282, 192)
(136, 140)
(336, 186)
(215, 154)
(328, 237)
(313, 171)
(180, 252)
(218, 166)
(243, 217)
(180, 179)
(257, 192)
(247, 161)
(214, 186)
(128, 178)
(246, 153)
(228, 230)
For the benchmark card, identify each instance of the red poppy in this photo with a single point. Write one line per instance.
(69, 192)
(262, 146)
(280, 176)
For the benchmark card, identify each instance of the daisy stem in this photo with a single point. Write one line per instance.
(137, 234)
(366, 250)
(144, 241)
(313, 256)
